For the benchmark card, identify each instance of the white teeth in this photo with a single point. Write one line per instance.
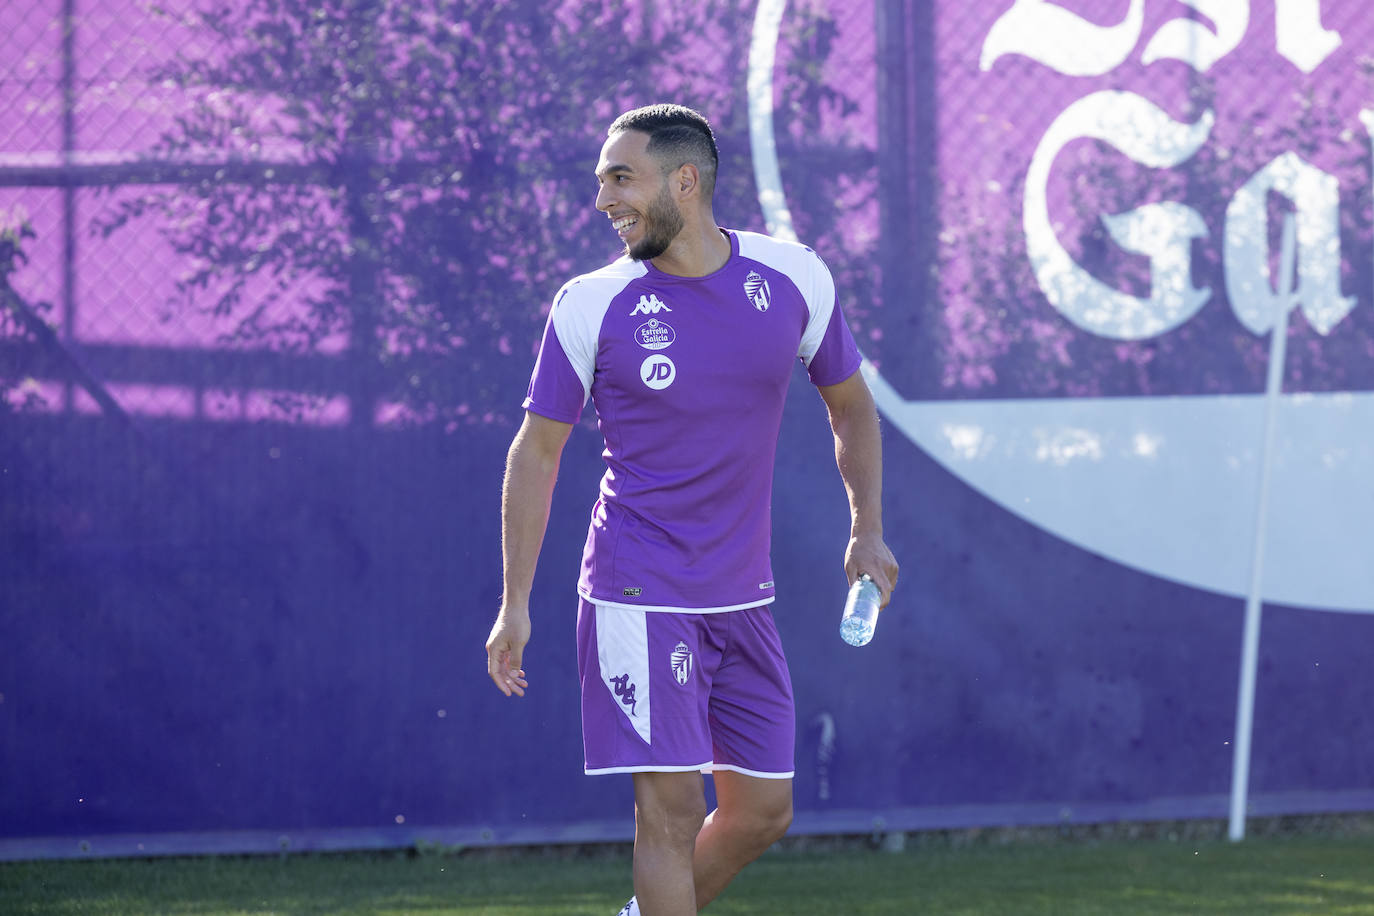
(623, 223)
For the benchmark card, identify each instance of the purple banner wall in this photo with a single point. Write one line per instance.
(263, 349)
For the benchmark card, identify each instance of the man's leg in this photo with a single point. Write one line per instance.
(751, 814)
(669, 810)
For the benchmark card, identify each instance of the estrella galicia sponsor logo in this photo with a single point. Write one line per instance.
(624, 691)
(758, 291)
(681, 659)
(655, 335)
(650, 305)
(632, 592)
(657, 371)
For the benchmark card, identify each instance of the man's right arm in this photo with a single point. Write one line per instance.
(531, 470)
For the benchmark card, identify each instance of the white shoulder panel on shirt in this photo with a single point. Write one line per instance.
(807, 271)
(580, 307)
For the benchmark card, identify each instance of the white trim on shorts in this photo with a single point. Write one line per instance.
(665, 609)
(705, 768)
(650, 768)
(755, 773)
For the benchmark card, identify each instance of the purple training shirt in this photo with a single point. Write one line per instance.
(688, 376)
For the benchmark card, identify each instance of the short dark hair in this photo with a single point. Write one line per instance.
(677, 135)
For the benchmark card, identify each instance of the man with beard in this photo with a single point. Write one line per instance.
(685, 347)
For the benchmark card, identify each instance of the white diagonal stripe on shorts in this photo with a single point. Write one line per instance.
(622, 650)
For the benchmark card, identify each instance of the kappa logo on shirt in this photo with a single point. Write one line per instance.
(758, 291)
(649, 305)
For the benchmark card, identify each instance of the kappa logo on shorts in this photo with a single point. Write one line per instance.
(625, 690)
(681, 659)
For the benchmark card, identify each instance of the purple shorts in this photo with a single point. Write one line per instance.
(665, 691)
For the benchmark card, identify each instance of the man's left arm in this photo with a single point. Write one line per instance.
(859, 455)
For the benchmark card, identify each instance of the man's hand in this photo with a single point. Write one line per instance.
(505, 646)
(870, 554)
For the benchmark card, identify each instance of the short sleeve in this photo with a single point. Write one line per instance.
(561, 381)
(827, 347)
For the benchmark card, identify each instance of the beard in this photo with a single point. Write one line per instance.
(662, 222)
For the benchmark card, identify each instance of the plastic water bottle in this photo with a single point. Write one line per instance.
(860, 612)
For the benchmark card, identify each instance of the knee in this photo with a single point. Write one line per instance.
(774, 822)
(671, 814)
(761, 826)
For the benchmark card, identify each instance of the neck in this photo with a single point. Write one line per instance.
(699, 249)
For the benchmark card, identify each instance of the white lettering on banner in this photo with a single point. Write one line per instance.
(1061, 40)
(1147, 135)
(1316, 196)
(1301, 38)
(1195, 44)
(1163, 232)
(1069, 44)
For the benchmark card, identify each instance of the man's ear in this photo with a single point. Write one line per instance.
(686, 180)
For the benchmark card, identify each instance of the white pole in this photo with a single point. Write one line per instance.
(1249, 650)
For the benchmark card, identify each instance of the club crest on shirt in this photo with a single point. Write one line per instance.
(681, 659)
(758, 291)
(655, 335)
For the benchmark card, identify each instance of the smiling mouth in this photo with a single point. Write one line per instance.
(624, 224)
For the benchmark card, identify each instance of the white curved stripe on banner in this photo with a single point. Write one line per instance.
(1163, 485)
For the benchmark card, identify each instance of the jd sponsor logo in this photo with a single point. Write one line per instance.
(649, 305)
(654, 335)
(657, 371)
(681, 659)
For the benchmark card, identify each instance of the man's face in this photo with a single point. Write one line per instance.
(634, 193)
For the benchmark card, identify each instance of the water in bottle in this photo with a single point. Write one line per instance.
(860, 612)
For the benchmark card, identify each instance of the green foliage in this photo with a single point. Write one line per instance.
(418, 180)
(409, 183)
(17, 318)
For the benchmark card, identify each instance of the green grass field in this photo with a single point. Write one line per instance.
(1319, 874)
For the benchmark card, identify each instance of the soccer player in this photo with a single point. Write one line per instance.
(685, 346)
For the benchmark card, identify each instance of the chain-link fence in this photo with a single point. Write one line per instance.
(358, 182)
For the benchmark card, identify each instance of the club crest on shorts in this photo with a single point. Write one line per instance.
(681, 658)
(758, 291)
